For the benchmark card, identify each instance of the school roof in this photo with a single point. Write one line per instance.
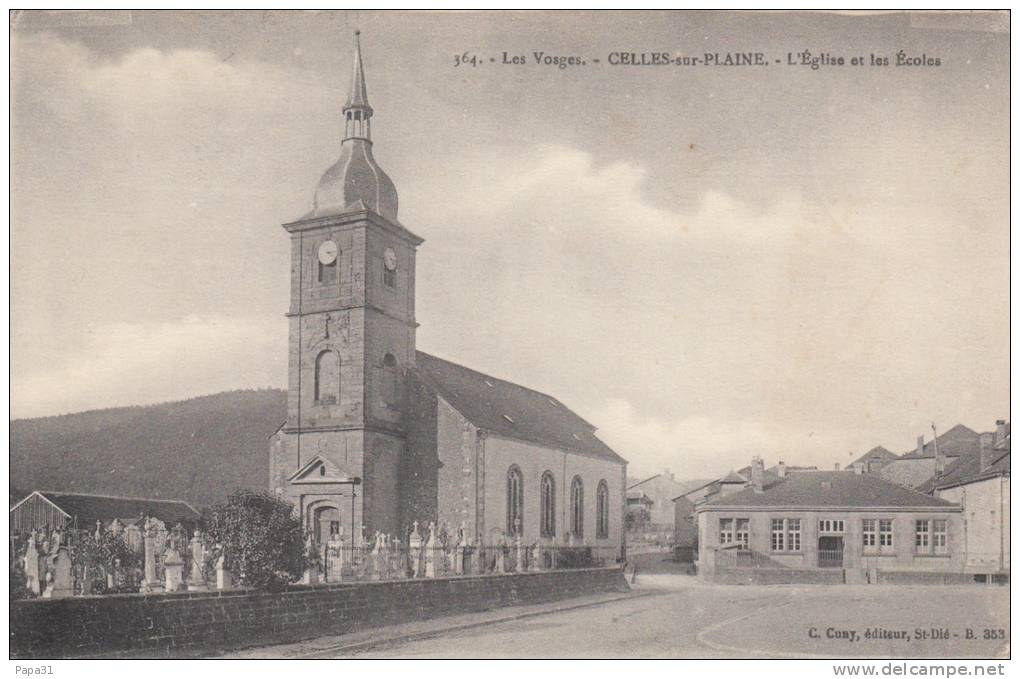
(91, 508)
(510, 410)
(828, 489)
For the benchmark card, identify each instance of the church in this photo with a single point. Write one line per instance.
(380, 435)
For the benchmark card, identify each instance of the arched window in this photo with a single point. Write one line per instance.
(548, 506)
(602, 510)
(327, 273)
(390, 386)
(327, 378)
(514, 501)
(577, 507)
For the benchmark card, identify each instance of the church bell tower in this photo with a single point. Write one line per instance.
(352, 339)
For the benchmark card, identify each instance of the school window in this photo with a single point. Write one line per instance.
(793, 534)
(885, 535)
(830, 526)
(725, 531)
(922, 535)
(785, 535)
(869, 536)
(778, 535)
(743, 532)
(940, 535)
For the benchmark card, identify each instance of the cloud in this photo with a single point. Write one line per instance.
(800, 329)
(819, 313)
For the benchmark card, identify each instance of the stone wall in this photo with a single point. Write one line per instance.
(777, 576)
(923, 578)
(202, 623)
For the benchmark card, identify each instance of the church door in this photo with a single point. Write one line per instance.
(326, 524)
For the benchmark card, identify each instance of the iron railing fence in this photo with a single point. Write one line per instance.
(144, 569)
(343, 562)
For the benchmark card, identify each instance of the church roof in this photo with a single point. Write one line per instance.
(355, 182)
(359, 93)
(510, 410)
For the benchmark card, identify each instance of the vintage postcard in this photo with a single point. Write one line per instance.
(516, 334)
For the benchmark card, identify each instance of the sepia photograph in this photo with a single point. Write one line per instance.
(498, 335)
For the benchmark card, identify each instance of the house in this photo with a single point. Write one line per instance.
(873, 460)
(860, 524)
(979, 483)
(685, 530)
(48, 510)
(656, 494)
(915, 467)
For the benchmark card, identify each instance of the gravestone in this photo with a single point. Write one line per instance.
(196, 580)
(134, 539)
(173, 568)
(430, 551)
(223, 579)
(152, 583)
(536, 556)
(33, 575)
(414, 545)
(311, 575)
(458, 552)
(60, 583)
(520, 554)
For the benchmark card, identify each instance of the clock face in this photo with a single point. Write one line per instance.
(327, 252)
(390, 259)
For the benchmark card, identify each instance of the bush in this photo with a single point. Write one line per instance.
(260, 538)
(93, 556)
(636, 519)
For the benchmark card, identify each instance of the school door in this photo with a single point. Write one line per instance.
(830, 551)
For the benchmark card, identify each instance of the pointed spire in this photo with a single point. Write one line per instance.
(356, 182)
(359, 94)
(357, 112)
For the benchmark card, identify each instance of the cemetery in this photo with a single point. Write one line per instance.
(146, 590)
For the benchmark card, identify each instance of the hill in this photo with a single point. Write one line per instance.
(198, 450)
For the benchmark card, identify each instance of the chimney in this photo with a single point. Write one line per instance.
(781, 469)
(837, 466)
(758, 474)
(920, 445)
(1000, 431)
(940, 458)
(986, 459)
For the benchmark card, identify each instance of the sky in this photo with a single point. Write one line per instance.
(706, 263)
